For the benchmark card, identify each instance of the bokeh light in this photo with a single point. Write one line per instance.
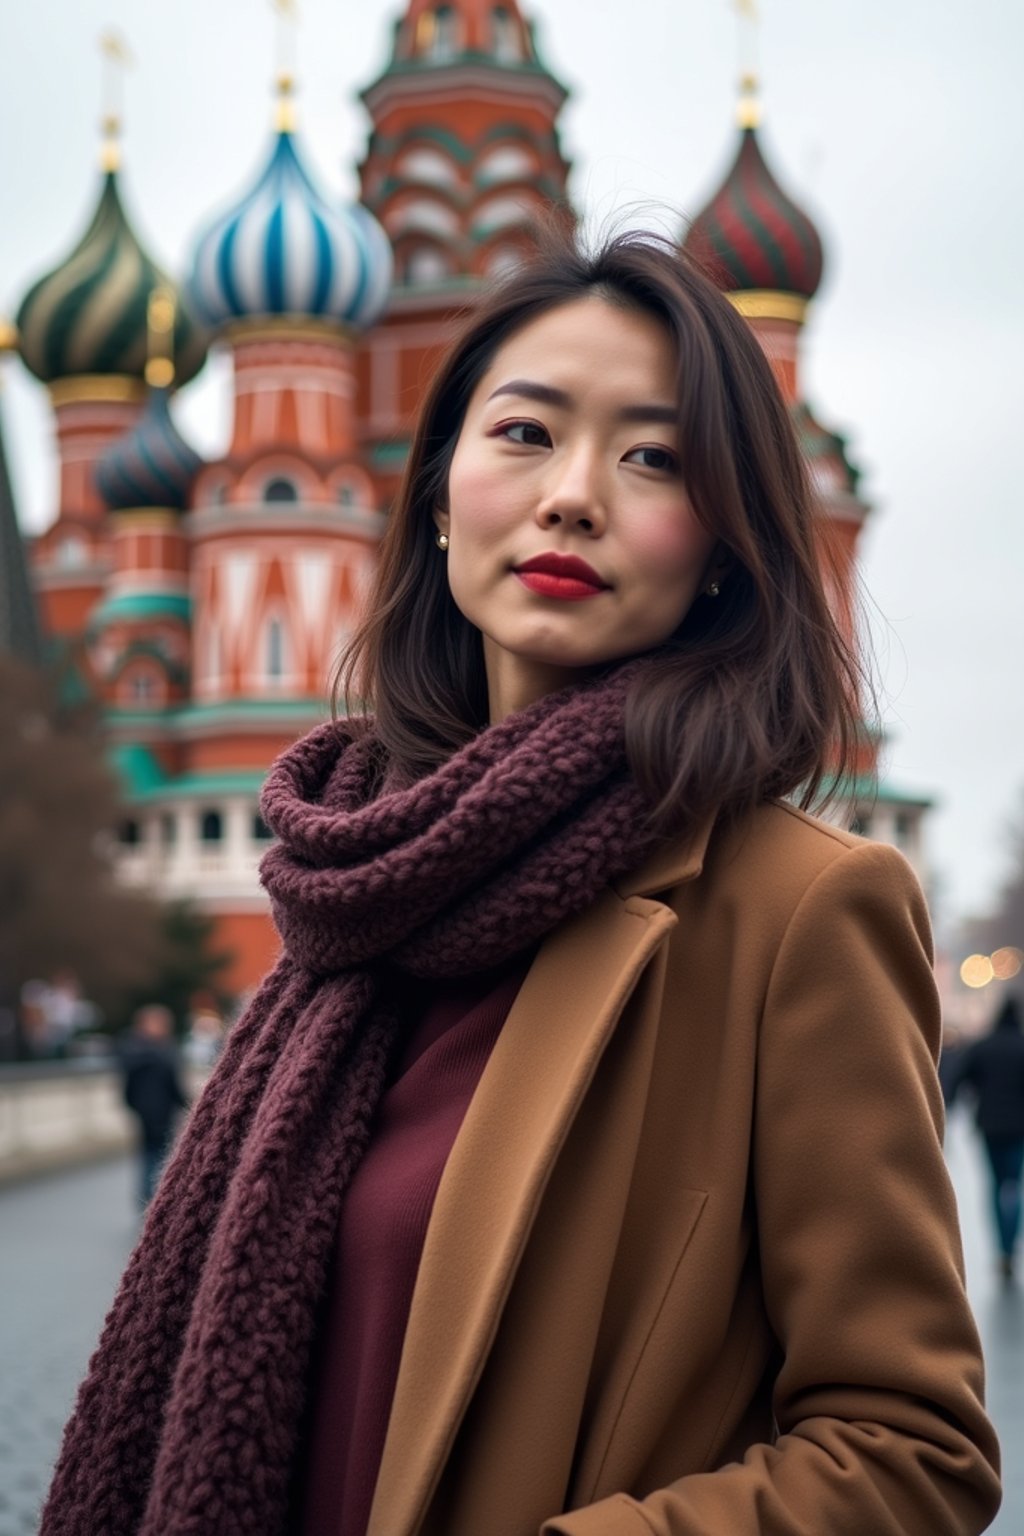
(976, 971)
(1006, 963)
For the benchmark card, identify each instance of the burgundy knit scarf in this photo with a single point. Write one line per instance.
(188, 1421)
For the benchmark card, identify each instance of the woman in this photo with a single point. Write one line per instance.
(664, 1243)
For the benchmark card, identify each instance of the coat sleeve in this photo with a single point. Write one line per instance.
(878, 1396)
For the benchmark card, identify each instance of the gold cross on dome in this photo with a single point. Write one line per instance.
(285, 48)
(117, 57)
(747, 38)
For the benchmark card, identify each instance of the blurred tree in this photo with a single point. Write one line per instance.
(61, 907)
(187, 965)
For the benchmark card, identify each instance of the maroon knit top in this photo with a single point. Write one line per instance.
(451, 1026)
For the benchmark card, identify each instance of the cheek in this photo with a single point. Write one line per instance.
(671, 543)
(480, 500)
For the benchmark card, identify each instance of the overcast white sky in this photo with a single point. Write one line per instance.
(896, 123)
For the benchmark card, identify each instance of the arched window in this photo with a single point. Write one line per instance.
(261, 833)
(426, 264)
(427, 165)
(211, 826)
(129, 833)
(280, 489)
(142, 687)
(275, 649)
(443, 38)
(507, 42)
(347, 494)
(446, 35)
(508, 162)
(504, 258)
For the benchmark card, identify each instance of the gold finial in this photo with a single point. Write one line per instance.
(117, 57)
(748, 108)
(160, 327)
(287, 17)
(284, 115)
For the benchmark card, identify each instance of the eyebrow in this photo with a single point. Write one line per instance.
(527, 389)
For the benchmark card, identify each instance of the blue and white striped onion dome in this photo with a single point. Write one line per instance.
(152, 465)
(285, 250)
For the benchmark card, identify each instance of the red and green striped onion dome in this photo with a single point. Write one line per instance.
(751, 238)
(88, 316)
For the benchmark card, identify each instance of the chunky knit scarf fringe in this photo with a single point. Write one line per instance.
(188, 1421)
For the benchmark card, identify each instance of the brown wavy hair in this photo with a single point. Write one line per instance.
(756, 695)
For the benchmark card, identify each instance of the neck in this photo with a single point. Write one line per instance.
(514, 682)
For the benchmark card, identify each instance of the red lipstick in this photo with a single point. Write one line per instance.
(564, 576)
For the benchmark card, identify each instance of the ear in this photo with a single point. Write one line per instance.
(721, 564)
(442, 520)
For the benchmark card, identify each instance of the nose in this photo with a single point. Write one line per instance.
(573, 494)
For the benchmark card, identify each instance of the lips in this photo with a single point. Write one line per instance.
(565, 576)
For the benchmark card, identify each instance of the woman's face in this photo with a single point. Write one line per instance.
(572, 540)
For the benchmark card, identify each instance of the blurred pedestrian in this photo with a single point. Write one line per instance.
(152, 1090)
(993, 1067)
(205, 1035)
(950, 1061)
(54, 1012)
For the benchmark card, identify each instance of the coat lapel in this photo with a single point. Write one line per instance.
(519, 1117)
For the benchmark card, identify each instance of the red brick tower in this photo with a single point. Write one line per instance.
(462, 162)
(766, 255)
(275, 540)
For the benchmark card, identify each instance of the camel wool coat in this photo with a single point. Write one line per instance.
(694, 1267)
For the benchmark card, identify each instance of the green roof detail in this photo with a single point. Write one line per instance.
(145, 781)
(865, 788)
(141, 605)
(390, 144)
(138, 770)
(288, 711)
(198, 786)
(386, 454)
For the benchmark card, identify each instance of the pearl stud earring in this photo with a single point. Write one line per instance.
(441, 540)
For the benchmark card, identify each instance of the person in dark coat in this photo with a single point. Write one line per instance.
(994, 1068)
(152, 1090)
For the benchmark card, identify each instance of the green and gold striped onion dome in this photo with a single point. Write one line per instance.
(751, 236)
(88, 316)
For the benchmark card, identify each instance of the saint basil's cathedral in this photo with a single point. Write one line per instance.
(205, 601)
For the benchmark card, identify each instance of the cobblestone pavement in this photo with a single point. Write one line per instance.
(64, 1241)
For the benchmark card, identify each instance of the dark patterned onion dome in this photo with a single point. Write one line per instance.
(88, 316)
(751, 236)
(152, 465)
(285, 250)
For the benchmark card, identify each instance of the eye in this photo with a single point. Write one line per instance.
(661, 459)
(530, 433)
